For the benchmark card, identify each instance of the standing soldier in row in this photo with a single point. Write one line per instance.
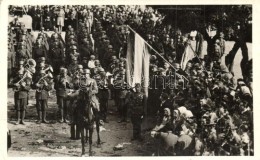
(21, 85)
(43, 85)
(135, 102)
(57, 56)
(103, 94)
(62, 84)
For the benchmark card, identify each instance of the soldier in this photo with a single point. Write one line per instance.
(135, 102)
(62, 84)
(57, 56)
(43, 85)
(39, 51)
(91, 62)
(103, 94)
(21, 86)
(73, 66)
(122, 91)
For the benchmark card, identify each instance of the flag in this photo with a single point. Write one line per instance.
(138, 61)
(187, 55)
(137, 64)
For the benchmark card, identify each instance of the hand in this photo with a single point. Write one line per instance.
(45, 83)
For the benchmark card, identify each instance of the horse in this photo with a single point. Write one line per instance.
(86, 117)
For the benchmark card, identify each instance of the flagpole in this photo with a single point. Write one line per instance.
(160, 55)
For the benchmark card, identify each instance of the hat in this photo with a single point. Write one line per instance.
(176, 65)
(74, 47)
(101, 69)
(164, 95)
(42, 59)
(110, 47)
(21, 62)
(92, 56)
(86, 71)
(80, 66)
(113, 57)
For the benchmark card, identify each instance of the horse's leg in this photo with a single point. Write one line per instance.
(97, 119)
(98, 136)
(82, 140)
(90, 139)
(87, 137)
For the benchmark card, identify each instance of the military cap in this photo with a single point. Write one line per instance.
(113, 57)
(21, 62)
(86, 71)
(42, 59)
(79, 66)
(110, 47)
(74, 47)
(92, 57)
(63, 70)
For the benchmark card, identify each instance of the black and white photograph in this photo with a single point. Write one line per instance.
(130, 80)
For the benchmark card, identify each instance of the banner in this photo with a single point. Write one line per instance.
(138, 61)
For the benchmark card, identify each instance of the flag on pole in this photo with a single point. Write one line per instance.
(187, 56)
(138, 61)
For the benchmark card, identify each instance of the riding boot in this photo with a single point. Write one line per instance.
(44, 117)
(39, 117)
(61, 114)
(18, 117)
(23, 116)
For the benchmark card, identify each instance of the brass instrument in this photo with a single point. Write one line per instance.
(49, 75)
(26, 75)
(49, 68)
(30, 65)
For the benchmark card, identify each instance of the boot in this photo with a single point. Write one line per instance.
(44, 117)
(18, 117)
(72, 132)
(23, 116)
(39, 117)
(61, 114)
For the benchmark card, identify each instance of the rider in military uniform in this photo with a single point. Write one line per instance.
(135, 102)
(62, 84)
(43, 86)
(21, 86)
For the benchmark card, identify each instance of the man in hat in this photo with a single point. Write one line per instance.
(57, 56)
(103, 94)
(43, 85)
(21, 86)
(73, 66)
(39, 51)
(135, 102)
(62, 84)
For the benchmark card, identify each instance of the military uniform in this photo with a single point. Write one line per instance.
(43, 86)
(56, 56)
(135, 102)
(61, 86)
(21, 96)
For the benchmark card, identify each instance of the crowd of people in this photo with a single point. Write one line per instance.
(211, 115)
